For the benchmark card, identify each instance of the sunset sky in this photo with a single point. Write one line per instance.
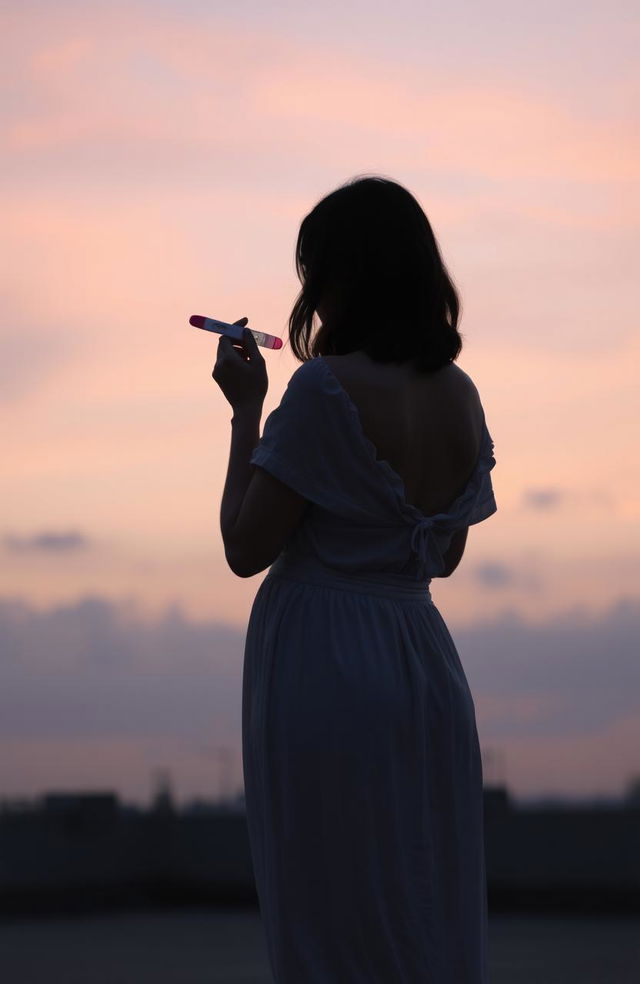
(158, 159)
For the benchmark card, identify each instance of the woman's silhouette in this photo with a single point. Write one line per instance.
(363, 777)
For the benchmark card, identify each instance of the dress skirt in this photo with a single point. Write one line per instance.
(363, 782)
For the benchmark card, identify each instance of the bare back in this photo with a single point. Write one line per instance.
(428, 427)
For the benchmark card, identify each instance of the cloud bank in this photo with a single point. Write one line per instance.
(108, 687)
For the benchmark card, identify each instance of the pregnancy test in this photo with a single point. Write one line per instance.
(234, 331)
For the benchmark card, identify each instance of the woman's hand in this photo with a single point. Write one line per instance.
(240, 371)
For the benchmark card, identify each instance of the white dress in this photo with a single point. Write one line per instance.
(362, 768)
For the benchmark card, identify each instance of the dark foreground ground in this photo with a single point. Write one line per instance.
(214, 946)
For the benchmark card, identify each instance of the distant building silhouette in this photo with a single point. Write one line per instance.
(74, 851)
(163, 801)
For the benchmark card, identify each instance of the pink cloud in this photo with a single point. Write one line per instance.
(120, 77)
(516, 709)
(160, 166)
(595, 762)
(124, 765)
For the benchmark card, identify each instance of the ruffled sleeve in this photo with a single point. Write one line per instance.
(305, 444)
(482, 503)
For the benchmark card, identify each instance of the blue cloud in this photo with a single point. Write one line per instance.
(96, 668)
(494, 575)
(46, 542)
(543, 498)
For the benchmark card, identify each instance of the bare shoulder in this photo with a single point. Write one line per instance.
(358, 369)
(462, 379)
(455, 372)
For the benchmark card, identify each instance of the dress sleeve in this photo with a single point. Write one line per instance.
(301, 441)
(484, 502)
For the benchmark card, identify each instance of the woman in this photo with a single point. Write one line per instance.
(362, 768)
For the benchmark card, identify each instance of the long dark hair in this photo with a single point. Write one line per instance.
(370, 243)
